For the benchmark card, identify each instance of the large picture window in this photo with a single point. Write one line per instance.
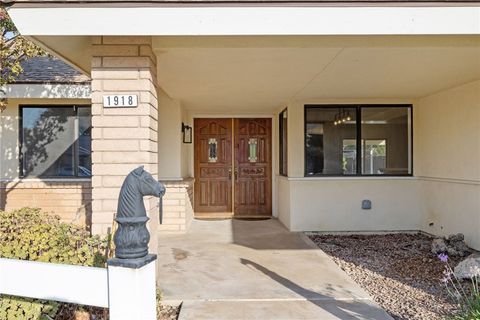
(352, 140)
(55, 141)
(283, 136)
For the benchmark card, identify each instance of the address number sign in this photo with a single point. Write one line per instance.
(120, 101)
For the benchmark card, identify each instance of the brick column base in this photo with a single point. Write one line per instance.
(177, 206)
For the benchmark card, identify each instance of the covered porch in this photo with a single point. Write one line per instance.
(182, 75)
(259, 77)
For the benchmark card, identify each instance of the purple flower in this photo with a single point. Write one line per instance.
(443, 257)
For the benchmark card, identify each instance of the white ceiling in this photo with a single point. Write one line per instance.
(267, 72)
(263, 73)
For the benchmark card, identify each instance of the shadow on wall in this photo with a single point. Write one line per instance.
(47, 91)
(339, 309)
(9, 153)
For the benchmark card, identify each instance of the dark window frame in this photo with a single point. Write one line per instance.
(282, 144)
(358, 108)
(22, 175)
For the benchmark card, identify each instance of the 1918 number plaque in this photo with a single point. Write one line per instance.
(120, 101)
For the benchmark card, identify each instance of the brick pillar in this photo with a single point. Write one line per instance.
(122, 138)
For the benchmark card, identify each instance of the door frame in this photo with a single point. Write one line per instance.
(274, 127)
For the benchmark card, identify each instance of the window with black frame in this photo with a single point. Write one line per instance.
(283, 159)
(55, 141)
(345, 140)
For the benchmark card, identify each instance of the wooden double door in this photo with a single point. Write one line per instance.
(233, 160)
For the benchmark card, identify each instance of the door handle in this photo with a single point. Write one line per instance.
(230, 174)
(236, 173)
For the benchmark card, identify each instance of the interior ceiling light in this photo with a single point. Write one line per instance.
(342, 117)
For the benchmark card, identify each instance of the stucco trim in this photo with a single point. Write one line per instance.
(243, 20)
(46, 91)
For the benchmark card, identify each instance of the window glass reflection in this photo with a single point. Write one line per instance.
(385, 135)
(56, 141)
(330, 141)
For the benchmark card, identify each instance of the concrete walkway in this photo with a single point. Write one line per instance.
(234, 269)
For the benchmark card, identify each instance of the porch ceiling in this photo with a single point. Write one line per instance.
(264, 73)
(261, 73)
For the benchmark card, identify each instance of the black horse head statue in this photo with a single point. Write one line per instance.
(132, 237)
(139, 183)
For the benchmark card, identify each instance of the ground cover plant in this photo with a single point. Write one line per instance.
(400, 273)
(30, 234)
(468, 299)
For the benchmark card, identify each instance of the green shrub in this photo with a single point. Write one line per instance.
(29, 234)
(24, 308)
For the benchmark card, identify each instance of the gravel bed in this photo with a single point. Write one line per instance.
(397, 270)
(166, 312)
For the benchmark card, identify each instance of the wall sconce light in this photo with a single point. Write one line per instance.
(186, 133)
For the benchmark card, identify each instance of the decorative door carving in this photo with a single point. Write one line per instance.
(213, 165)
(253, 167)
(248, 175)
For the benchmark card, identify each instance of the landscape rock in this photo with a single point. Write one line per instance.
(439, 246)
(453, 245)
(468, 268)
(456, 237)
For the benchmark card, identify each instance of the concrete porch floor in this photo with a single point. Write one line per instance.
(233, 269)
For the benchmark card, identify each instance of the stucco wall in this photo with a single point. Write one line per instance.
(443, 197)
(170, 147)
(447, 161)
(284, 204)
(334, 204)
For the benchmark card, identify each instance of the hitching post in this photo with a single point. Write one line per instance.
(131, 273)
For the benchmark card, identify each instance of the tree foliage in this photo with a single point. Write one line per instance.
(14, 49)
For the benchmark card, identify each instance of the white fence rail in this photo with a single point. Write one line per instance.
(128, 292)
(59, 282)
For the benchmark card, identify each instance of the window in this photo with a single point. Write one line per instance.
(55, 141)
(330, 147)
(358, 140)
(283, 158)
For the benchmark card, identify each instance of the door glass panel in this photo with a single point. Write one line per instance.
(212, 150)
(252, 150)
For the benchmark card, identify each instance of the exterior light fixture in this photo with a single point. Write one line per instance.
(186, 133)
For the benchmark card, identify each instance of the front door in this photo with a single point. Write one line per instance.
(213, 165)
(242, 172)
(253, 167)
